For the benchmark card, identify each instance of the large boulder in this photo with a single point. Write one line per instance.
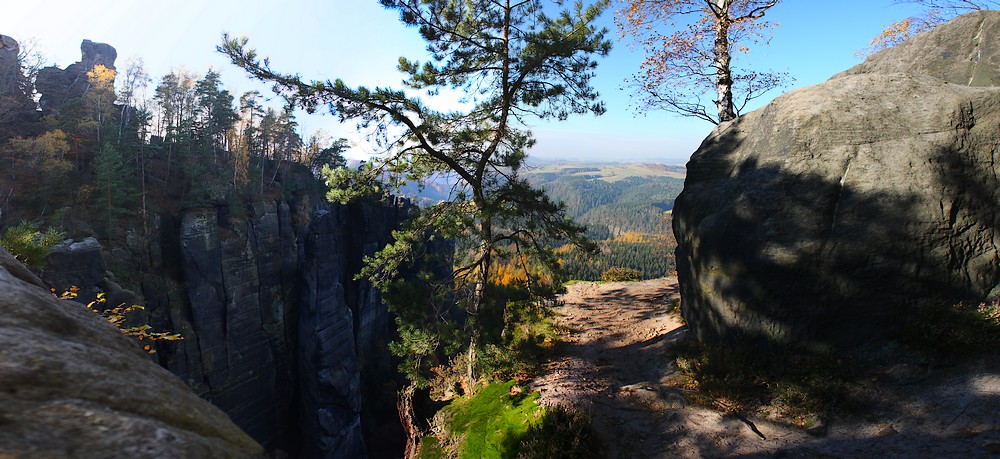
(824, 217)
(77, 264)
(72, 385)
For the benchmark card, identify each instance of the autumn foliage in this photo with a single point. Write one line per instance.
(119, 317)
(689, 47)
(935, 12)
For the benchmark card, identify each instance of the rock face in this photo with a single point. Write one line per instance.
(16, 106)
(277, 332)
(9, 67)
(58, 86)
(966, 51)
(822, 218)
(71, 385)
(280, 335)
(74, 264)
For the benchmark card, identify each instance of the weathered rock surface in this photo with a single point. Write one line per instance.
(9, 67)
(74, 264)
(71, 385)
(966, 51)
(16, 106)
(822, 218)
(57, 86)
(280, 334)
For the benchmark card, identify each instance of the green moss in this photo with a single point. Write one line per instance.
(492, 423)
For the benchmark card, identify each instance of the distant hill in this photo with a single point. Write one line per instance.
(608, 172)
(626, 207)
(610, 198)
(613, 198)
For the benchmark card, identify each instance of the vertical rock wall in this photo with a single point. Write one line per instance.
(278, 333)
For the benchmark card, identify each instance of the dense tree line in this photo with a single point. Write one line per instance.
(92, 161)
(629, 218)
(650, 255)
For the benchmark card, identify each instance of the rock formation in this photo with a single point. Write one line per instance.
(9, 67)
(277, 332)
(824, 217)
(16, 106)
(279, 327)
(58, 86)
(72, 385)
(74, 264)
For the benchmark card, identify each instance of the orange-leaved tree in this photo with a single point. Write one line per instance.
(689, 47)
(935, 12)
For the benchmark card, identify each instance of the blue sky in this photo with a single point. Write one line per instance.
(360, 42)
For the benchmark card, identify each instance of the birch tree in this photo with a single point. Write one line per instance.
(690, 47)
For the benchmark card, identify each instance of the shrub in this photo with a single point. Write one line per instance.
(26, 242)
(617, 274)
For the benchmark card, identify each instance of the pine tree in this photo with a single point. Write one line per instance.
(109, 178)
(515, 61)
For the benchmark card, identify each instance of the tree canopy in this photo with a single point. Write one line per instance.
(689, 47)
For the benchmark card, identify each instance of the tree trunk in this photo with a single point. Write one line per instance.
(723, 74)
(407, 418)
(480, 300)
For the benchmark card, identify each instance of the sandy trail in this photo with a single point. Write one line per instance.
(616, 363)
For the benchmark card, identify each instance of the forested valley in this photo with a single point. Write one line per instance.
(626, 208)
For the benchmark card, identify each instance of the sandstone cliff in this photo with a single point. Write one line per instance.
(72, 385)
(823, 218)
(277, 332)
(60, 85)
(17, 109)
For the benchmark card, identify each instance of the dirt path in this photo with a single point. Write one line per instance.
(616, 363)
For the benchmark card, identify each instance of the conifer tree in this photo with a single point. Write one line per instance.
(515, 60)
(109, 178)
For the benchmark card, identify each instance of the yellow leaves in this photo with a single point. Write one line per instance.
(101, 75)
(45, 154)
(898, 32)
(519, 273)
(633, 237)
(118, 316)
